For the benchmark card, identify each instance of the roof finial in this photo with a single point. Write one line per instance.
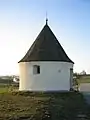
(46, 19)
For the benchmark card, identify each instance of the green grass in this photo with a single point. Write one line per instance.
(42, 106)
(84, 79)
(5, 88)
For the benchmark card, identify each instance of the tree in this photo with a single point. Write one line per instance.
(83, 72)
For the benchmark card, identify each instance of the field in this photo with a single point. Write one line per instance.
(84, 79)
(83, 82)
(42, 106)
(15, 105)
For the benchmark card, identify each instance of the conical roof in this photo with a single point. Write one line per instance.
(46, 47)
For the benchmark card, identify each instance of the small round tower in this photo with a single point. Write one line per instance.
(46, 66)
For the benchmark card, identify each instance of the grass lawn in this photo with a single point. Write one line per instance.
(42, 106)
(84, 79)
(5, 88)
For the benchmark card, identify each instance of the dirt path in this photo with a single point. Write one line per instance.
(87, 96)
(85, 87)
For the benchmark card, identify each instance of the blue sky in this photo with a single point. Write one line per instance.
(22, 20)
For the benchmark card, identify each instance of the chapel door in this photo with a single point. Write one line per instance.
(71, 78)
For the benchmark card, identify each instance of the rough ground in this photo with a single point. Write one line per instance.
(43, 106)
(87, 97)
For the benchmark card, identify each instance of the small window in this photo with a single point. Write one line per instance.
(36, 69)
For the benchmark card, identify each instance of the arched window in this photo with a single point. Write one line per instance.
(36, 69)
